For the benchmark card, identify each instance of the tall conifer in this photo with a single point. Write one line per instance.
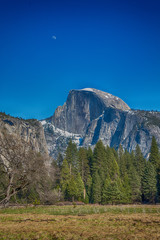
(154, 154)
(149, 183)
(71, 156)
(96, 188)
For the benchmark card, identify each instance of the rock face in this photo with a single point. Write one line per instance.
(87, 116)
(90, 115)
(82, 107)
(29, 130)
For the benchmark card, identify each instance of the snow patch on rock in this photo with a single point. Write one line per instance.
(43, 122)
(59, 136)
(87, 89)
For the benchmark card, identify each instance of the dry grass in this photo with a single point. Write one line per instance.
(120, 224)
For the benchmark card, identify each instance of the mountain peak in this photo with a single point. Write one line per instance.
(82, 107)
(90, 114)
(108, 99)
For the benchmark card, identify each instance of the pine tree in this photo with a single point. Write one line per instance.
(120, 154)
(112, 167)
(90, 159)
(83, 164)
(111, 192)
(89, 188)
(158, 183)
(139, 162)
(105, 191)
(154, 154)
(149, 183)
(100, 161)
(71, 156)
(132, 156)
(122, 162)
(126, 190)
(81, 192)
(59, 160)
(155, 160)
(96, 188)
(127, 161)
(65, 177)
(72, 190)
(99, 155)
(135, 184)
(115, 154)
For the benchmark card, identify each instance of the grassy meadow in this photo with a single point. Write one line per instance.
(80, 222)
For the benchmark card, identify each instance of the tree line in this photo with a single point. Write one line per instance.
(102, 175)
(107, 176)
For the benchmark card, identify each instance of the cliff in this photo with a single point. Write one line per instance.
(89, 115)
(30, 130)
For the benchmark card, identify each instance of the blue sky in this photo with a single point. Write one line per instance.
(113, 46)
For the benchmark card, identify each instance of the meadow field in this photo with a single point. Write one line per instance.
(80, 222)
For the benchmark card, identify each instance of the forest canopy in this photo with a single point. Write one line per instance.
(107, 176)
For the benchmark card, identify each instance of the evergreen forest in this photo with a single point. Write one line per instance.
(107, 176)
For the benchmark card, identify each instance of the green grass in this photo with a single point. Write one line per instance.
(81, 210)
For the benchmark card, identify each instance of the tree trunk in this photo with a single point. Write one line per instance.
(84, 193)
(7, 198)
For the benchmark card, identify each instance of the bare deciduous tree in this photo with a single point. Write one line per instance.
(19, 164)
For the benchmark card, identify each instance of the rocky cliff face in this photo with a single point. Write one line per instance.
(30, 130)
(82, 107)
(90, 115)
